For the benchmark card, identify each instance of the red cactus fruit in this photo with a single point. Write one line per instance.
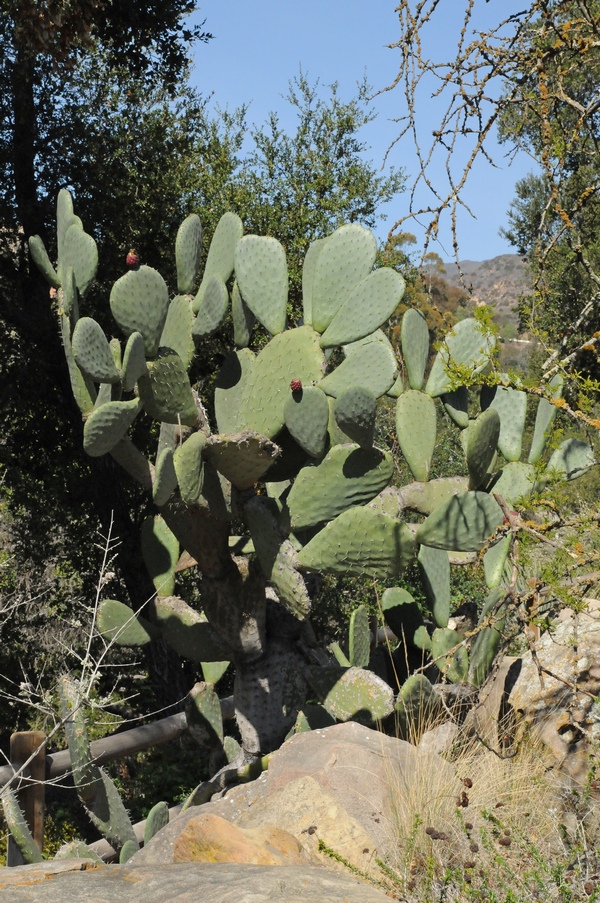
(296, 385)
(132, 260)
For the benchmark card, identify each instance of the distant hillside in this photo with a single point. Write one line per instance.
(497, 282)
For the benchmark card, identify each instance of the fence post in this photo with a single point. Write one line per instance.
(30, 795)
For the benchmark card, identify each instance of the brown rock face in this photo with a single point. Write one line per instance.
(209, 838)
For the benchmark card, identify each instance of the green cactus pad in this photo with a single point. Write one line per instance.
(92, 351)
(401, 612)
(203, 716)
(77, 849)
(463, 523)
(426, 497)
(18, 827)
(511, 405)
(105, 394)
(352, 694)
(339, 656)
(188, 249)
(160, 550)
(308, 276)
(82, 386)
(371, 366)
(242, 458)
(139, 301)
(65, 217)
(166, 392)
(39, 255)
(107, 425)
(468, 346)
(414, 338)
(359, 638)
(456, 405)
(289, 462)
(397, 389)
(187, 461)
(213, 308)
(118, 623)
(485, 645)
(346, 477)
(360, 541)
(416, 429)
(417, 707)
(346, 258)
(377, 336)
(453, 665)
(494, 561)
(80, 252)
(336, 435)
(277, 556)
(177, 331)
(544, 418)
(294, 354)
(262, 276)
(221, 252)
(134, 362)
(517, 481)
(312, 718)
(188, 632)
(481, 444)
(435, 573)
(355, 411)
(229, 390)
(571, 460)
(368, 305)
(214, 671)
(306, 414)
(243, 318)
(70, 297)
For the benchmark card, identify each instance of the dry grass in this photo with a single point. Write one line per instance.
(482, 827)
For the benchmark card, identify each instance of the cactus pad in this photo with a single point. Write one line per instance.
(39, 255)
(453, 665)
(92, 351)
(456, 405)
(347, 476)
(360, 541)
(544, 418)
(359, 638)
(372, 366)
(213, 308)
(188, 248)
(294, 354)
(346, 258)
(463, 523)
(139, 301)
(306, 414)
(308, 275)
(243, 318)
(435, 572)
(221, 252)
(107, 425)
(416, 428)
(160, 550)
(203, 716)
(511, 405)
(242, 458)
(355, 411)
(401, 612)
(468, 346)
(481, 444)
(352, 694)
(187, 462)
(571, 460)
(414, 337)
(166, 392)
(188, 632)
(229, 390)
(118, 623)
(368, 305)
(262, 277)
(494, 561)
(517, 481)
(177, 331)
(134, 361)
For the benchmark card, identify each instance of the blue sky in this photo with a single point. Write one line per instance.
(260, 46)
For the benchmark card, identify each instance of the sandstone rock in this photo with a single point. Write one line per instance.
(209, 838)
(186, 882)
(328, 788)
(553, 695)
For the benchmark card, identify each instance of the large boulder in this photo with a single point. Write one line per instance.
(329, 789)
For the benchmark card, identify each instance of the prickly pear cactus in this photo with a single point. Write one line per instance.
(290, 458)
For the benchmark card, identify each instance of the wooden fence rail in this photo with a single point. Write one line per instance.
(44, 767)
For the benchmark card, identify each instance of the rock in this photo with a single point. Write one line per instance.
(209, 838)
(328, 788)
(186, 882)
(440, 738)
(556, 699)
